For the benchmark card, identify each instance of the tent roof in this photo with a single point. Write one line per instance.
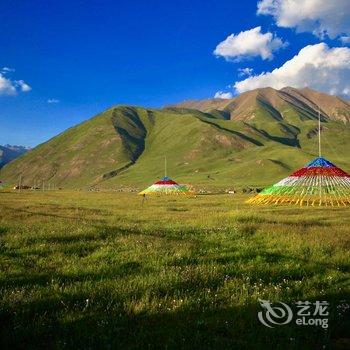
(166, 181)
(320, 166)
(320, 182)
(166, 186)
(320, 162)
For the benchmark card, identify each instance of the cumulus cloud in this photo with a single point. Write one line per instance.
(245, 72)
(9, 86)
(223, 95)
(315, 66)
(250, 43)
(321, 17)
(53, 100)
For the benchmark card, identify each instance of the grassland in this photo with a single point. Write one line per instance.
(106, 270)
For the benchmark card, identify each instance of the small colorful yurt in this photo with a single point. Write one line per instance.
(166, 186)
(319, 183)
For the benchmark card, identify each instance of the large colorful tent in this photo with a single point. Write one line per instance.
(319, 183)
(166, 186)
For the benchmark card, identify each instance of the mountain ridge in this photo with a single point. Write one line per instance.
(11, 152)
(305, 98)
(252, 140)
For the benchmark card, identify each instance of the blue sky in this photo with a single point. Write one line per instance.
(85, 56)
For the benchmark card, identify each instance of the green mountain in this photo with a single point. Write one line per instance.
(251, 140)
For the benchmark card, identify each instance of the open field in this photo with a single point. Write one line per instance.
(105, 270)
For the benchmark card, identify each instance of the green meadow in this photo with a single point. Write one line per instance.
(110, 270)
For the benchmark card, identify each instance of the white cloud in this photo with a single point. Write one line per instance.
(223, 95)
(53, 100)
(5, 70)
(9, 86)
(23, 86)
(250, 43)
(245, 72)
(315, 66)
(321, 17)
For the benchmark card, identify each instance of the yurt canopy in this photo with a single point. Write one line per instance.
(320, 183)
(166, 186)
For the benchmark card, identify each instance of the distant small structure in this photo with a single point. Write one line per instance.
(166, 186)
(21, 187)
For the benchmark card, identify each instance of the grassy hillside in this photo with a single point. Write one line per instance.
(77, 156)
(254, 141)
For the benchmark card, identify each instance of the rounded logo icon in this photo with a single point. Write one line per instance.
(274, 315)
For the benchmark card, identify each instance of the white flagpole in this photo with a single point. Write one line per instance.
(319, 132)
(165, 166)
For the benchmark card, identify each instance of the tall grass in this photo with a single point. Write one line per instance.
(104, 270)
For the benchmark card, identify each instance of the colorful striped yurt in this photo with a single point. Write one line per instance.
(319, 183)
(166, 186)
